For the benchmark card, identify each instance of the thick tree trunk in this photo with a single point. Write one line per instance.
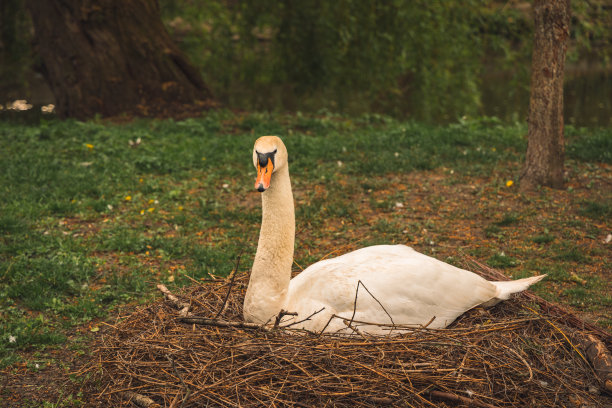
(113, 57)
(545, 149)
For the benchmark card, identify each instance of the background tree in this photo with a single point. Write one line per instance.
(112, 57)
(545, 146)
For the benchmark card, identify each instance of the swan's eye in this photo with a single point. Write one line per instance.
(263, 158)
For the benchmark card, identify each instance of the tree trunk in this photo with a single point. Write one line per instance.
(545, 146)
(113, 57)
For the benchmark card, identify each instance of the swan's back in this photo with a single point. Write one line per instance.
(411, 287)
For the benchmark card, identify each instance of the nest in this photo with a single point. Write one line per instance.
(522, 352)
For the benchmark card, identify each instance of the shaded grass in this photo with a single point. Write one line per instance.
(89, 221)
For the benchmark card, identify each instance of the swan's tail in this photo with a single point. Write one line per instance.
(507, 288)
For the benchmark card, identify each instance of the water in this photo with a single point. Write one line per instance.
(587, 98)
(587, 94)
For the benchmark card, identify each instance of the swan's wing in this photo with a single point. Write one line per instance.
(397, 283)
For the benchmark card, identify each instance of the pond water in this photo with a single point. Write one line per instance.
(588, 98)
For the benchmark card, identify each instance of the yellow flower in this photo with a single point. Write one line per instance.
(128, 198)
(140, 180)
(141, 212)
(89, 146)
(151, 209)
(509, 183)
(151, 201)
(180, 208)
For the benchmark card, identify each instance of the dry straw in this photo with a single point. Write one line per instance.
(520, 353)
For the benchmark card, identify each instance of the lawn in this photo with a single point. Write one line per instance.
(93, 215)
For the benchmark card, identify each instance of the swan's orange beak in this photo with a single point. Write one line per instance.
(264, 174)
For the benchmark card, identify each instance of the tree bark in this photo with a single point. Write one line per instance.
(113, 57)
(545, 145)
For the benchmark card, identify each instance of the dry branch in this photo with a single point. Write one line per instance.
(219, 323)
(179, 304)
(459, 399)
(140, 400)
(599, 356)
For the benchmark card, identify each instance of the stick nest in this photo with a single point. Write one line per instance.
(515, 354)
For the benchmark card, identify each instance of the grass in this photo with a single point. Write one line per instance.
(90, 221)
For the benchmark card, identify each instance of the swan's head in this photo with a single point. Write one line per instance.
(269, 155)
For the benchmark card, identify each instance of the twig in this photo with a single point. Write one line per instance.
(303, 320)
(459, 399)
(428, 323)
(140, 400)
(564, 336)
(282, 314)
(188, 391)
(220, 323)
(373, 297)
(231, 284)
(524, 362)
(179, 304)
(598, 355)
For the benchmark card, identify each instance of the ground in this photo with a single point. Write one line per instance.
(124, 207)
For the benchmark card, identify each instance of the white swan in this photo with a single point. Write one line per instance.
(400, 285)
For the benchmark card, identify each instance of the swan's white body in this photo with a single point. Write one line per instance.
(397, 285)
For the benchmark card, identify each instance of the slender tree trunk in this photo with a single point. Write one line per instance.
(112, 57)
(545, 148)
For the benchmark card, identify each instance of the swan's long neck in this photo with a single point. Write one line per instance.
(271, 270)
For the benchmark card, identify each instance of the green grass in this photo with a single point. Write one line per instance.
(597, 210)
(73, 246)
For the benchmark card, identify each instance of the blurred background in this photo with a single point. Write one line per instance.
(432, 61)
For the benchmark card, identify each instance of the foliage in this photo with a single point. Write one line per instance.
(422, 59)
(14, 47)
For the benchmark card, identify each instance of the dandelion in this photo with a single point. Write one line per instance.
(180, 208)
(89, 146)
(12, 339)
(509, 183)
(151, 209)
(128, 198)
(141, 212)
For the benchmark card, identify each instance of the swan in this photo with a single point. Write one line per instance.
(386, 285)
